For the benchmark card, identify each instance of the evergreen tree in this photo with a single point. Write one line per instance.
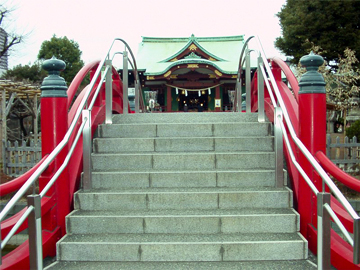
(66, 50)
(31, 72)
(332, 25)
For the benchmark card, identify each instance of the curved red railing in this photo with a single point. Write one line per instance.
(340, 175)
(19, 258)
(341, 251)
(16, 183)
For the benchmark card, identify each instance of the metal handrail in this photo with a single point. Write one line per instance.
(302, 147)
(66, 138)
(336, 192)
(31, 208)
(237, 101)
(60, 146)
(137, 83)
(16, 226)
(135, 72)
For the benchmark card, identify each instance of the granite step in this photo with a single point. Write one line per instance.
(183, 161)
(246, 265)
(191, 144)
(186, 129)
(162, 179)
(184, 221)
(183, 198)
(205, 117)
(183, 247)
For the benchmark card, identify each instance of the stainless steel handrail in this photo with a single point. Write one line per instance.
(57, 150)
(336, 192)
(242, 60)
(301, 146)
(66, 138)
(16, 226)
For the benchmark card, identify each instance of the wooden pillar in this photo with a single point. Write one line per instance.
(168, 99)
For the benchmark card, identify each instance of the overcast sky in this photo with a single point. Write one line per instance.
(93, 24)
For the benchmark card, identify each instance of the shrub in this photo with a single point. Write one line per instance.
(354, 130)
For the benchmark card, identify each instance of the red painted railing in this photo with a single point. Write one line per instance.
(341, 251)
(52, 231)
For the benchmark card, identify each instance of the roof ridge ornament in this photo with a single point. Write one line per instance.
(192, 37)
(192, 55)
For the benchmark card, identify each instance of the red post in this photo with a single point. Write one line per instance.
(312, 132)
(53, 128)
(168, 99)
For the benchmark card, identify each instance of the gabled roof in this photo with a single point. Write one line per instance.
(193, 49)
(158, 55)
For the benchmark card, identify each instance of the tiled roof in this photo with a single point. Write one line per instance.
(157, 55)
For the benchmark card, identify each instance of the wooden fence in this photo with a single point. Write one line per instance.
(18, 158)
(345, 154)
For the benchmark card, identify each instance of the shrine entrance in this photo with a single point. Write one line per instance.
(191, 74)
(193, 101)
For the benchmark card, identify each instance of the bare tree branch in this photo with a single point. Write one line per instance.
(10, 39)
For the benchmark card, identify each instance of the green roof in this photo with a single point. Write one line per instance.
(156, 55)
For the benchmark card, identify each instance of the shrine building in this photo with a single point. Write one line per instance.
(189, 74)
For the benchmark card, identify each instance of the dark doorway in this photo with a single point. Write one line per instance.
(193, 102)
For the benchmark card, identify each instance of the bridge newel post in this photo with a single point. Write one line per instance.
(54, 125)
(312, 132)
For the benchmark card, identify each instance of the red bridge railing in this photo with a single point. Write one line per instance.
(58, 173)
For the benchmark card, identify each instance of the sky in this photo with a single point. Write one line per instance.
(95, 24)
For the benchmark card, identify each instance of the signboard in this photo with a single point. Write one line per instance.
(217, 103)
(131, 91)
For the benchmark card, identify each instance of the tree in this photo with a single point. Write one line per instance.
(66, 50)
(32, 73)
(10, 39)
(332, 25)
(341, 83)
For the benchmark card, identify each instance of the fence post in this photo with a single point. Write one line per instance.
(54, 125)
(312, 132)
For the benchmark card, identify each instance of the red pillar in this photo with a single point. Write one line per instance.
(312, 133)
(168, 99)
(53, 128)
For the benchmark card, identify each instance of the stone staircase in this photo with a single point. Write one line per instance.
(183, 191)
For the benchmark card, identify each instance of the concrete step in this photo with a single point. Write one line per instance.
(184, 118)
(183, 198)
(184, 221)
(183, 161)
(186, 129)
(191, 144)
(255, 265)
(208, 178)
(182, 247)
